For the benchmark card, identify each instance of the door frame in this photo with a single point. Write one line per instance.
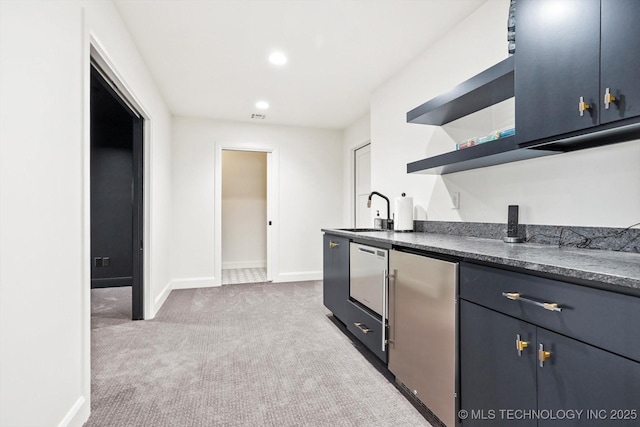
(272, 206)
(354, 172)
(99, 55)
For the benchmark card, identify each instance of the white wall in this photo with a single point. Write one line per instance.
(310, 195)
(354, 136)
(44, 254)
(107, 28)
(244, 209)
(580, 188)
(41, 129)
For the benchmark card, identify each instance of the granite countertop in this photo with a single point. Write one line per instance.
(616, 270)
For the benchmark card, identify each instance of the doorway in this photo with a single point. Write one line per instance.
(244, 217)
(116, 196)
(271, 224)
(362, 186)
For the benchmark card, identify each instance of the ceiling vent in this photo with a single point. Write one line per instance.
(258, 116)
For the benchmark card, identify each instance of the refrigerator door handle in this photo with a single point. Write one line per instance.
(385, 280)
(390, 323)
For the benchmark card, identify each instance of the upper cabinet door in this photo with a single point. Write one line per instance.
(620, 60)
(557, 64)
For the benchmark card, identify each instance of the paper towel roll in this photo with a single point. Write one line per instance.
(403, 213)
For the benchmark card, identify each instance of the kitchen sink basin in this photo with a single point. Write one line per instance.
(356, 230)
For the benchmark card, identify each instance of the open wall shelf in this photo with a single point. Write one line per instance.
(503, 150)
(491, 86)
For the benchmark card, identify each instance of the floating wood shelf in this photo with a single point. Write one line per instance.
(503, 150)
(491, 86)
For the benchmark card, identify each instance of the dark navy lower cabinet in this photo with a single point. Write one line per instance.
(580, 377)
(368, 329)
(493, 375)
(515, 372)
(336, 275)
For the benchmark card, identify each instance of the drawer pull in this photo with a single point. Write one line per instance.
(514, 296)
(543, 355)
(333, 244)
(363, 327)
(520, 345)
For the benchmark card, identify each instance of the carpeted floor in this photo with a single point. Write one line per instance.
(252, 355)
(110, 307)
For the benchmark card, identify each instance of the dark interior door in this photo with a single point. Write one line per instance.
(620, 61)
(557, 62)
(117, 195)
(137, 291)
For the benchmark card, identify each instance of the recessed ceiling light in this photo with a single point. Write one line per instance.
(262, 105)
(277, 58)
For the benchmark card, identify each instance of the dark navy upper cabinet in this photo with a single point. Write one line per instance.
(557, 66)
(620, 59)
(576, 67)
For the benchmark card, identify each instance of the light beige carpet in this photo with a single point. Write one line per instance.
(251, 355)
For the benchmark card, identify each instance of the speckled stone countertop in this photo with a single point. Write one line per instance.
(619, 270)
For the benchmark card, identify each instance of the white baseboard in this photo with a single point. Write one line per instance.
(229, 265)
(300, 276)
(194, 283)
(77, 415)
(161, 298)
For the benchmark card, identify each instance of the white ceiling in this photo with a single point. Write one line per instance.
(209, 57)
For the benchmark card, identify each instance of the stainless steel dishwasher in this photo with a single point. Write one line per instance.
(367, 277)
(422, 329)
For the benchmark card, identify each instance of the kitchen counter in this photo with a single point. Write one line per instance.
(618, 271)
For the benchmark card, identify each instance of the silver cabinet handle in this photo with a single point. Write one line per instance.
(333, 244)
(543, 355)
(392, 323)
(582, 106)
(608, 98)
(384, 309)
(520, 345)
(362, 327)
(515, 296)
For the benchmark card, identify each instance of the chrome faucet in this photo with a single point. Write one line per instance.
(389, 220)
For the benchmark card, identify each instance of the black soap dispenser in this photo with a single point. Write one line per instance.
(377, 222)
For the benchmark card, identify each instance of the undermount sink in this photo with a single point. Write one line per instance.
(357, 230)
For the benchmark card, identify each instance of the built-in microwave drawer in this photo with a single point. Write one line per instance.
(367, 328)
(602, 318)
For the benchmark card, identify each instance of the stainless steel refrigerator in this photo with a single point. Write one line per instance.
(422, 334)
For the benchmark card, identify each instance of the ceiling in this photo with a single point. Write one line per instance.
(209, 57)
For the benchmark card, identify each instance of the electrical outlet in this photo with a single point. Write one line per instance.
(97, 261)
(455, 199)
